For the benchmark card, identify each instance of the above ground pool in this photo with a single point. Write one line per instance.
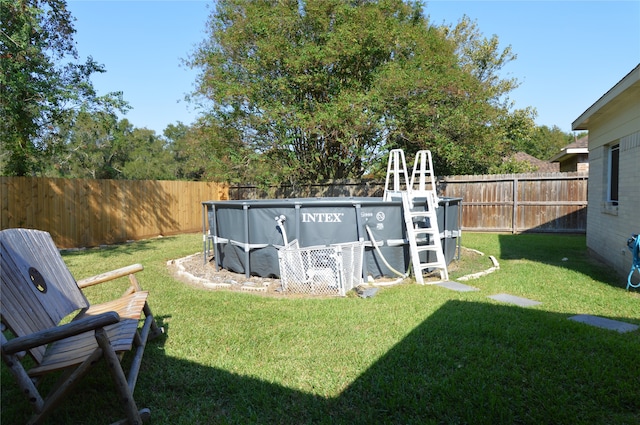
(245, 234)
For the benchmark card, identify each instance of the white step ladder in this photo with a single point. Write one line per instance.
(421, 225)
(396, 175)
(423, 169)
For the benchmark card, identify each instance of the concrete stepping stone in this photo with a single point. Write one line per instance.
(455, 286)
(512, 299)
(601, 322)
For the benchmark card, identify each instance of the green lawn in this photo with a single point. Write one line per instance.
(411, 354)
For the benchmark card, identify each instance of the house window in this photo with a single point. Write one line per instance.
(613, 174)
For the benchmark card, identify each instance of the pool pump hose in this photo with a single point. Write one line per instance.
(280, 220)
(384, 260)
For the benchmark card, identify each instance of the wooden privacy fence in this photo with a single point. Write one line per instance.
(82, 213)
(538, 202)
(327, 189)
(542, 202)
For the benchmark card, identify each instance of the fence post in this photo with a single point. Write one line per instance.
(514, 217)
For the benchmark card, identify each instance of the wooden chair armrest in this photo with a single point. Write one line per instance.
(46, 336)
(113, 274)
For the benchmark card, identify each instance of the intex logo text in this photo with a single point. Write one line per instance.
(322, 217)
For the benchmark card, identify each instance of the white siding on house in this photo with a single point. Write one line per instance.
(614, 119)
(609, 226)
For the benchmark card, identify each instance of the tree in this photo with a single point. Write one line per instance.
(147, 157)
(298, 83)
(100, 147)
(206, 150)
(324, 88)
(476, 126)
(40, 94)
(547, 142)
(97, 146)
(177, 146)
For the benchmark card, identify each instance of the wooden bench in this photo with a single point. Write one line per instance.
(37, 294)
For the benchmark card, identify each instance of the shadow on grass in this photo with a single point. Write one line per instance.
(566, 251)
(127, 248)
(468, 363)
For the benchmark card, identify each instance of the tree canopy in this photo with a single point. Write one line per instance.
(42, 86)
(101, 147)
(325, 88)
(294, 90)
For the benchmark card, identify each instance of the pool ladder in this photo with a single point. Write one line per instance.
(421, 225)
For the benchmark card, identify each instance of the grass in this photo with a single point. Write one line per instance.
(411, 354)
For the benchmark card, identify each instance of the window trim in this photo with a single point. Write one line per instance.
(613, 174)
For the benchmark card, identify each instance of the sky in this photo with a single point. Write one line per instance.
(569, 53)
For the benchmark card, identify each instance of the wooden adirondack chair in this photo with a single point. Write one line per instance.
(37, 293)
